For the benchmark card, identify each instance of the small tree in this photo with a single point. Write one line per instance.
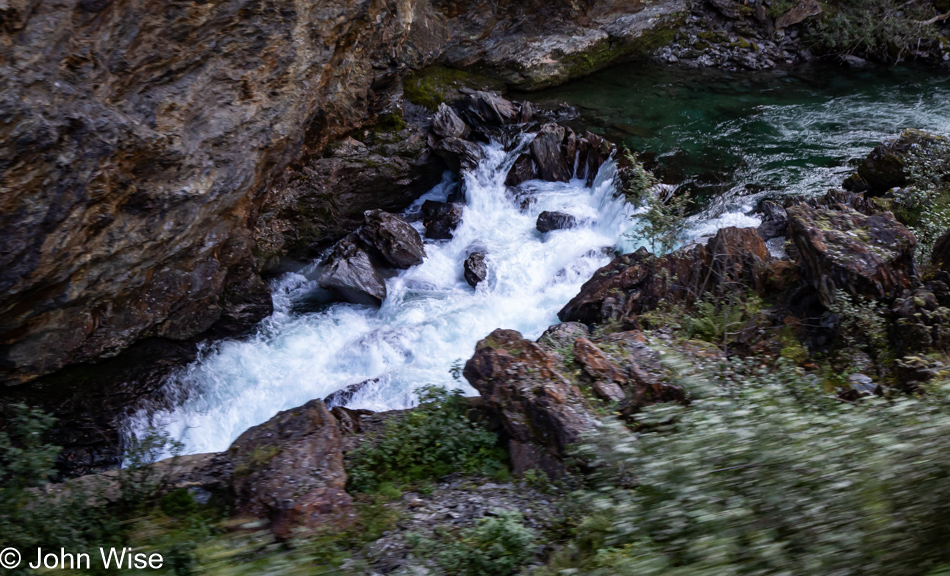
(663, 221)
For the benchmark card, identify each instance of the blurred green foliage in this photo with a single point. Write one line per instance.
(435, 439)
(765, 474)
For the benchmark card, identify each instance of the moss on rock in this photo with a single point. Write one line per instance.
(434, 85)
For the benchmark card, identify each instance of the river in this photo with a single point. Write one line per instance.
(729, 138)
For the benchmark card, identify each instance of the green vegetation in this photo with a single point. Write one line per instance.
(886, 29)
(924, 204)
(765, 474)
(434, 85)
(496, 546)
(662, 221)
(433, 440)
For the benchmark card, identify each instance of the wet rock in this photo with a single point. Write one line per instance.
(868, 256)
(887, 166)
(440, 219)
(349, 272)
(542, 412)
(548, 221)
(592, 152)
(345, 394)
(801, 11)
(549, 155)
(775, 221)
(325, 196)
(458, 154)
(490, 109)
(563, 335)
(521, 171)
(476, 269)
(391, 239)
(447, 123)
(734, 259)
(290, 471)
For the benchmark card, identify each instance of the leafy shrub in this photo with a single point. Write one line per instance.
(662, 223)
(433, 440)
(496, 546)
(862, 324)
(765, 475)
(924, 204)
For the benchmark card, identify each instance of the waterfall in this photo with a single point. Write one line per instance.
(430, 321)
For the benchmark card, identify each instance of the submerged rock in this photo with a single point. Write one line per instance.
(349, 272)
(393, 240)
(548, 221)
(476, 269)
(868, 256)
(441, 219)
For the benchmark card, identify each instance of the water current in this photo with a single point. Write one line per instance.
(729, 138)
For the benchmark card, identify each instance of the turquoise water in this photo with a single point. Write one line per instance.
(732, 137)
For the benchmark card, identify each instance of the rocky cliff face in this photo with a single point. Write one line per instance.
(139, 140)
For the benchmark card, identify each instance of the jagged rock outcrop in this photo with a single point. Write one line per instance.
(290, 471)
(542, 411)
(141, 142)
(733, 259)
(868, 256)
(889, 164)
(521, 171)
(348, 271)
(391, 240)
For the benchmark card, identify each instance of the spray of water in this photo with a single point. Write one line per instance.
(431, 319)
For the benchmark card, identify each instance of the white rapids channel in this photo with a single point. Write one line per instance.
(431, 319)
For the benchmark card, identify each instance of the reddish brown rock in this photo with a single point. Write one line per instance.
(869, 256)
(606, 377)
(734, 259)
(542, 411)
(290, 471)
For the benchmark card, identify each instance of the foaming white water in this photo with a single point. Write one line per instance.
(430, 319)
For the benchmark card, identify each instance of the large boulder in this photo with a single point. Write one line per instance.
(890, 164)
(732, 260)
(490, 109)
(552, 220)
(869, 256)
(549, 155)
(290, 471)
(441, 218)
(542, 411)
(391, 239)
(458, 154)
(348, 271)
